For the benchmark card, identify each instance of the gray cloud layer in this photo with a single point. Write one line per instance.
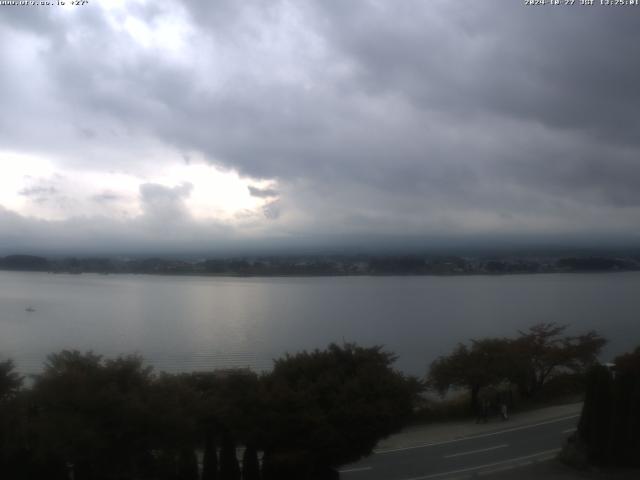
(376, 118)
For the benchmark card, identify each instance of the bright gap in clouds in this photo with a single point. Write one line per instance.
(17, 173)
(216, 194)
(38, 187)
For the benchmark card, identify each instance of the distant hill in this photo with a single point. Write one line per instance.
(24, 262)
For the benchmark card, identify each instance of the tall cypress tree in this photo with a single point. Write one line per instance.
(620, 437)
(610, 421)
(210, 459)
(600, 431)
(229, 468)
(250, 464)
(187, 464)
(268, 470)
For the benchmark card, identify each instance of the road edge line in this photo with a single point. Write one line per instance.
(487, 465)
(472, 437)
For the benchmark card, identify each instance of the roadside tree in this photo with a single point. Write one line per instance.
(529, 361)
(330, 407)
(543, 351)
(484, 363)
(10, 380)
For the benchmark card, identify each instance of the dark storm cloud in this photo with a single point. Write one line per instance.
(373, 117)
(568, 67)
(272, 210)
(567, 70)
(38, 191)
(107, 197)
(221, 18)
(35, 19)
(457, 68)
(262, 192)
(43, 191)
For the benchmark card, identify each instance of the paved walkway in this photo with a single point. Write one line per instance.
(442, 432)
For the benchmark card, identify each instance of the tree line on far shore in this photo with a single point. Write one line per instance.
(326, 265)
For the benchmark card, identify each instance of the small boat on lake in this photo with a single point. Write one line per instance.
(29, 309)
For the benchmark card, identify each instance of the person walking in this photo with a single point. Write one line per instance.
(503, 411)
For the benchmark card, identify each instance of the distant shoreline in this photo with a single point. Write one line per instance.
(327, 275)
(327, 266)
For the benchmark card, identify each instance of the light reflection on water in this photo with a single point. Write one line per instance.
(199, 323)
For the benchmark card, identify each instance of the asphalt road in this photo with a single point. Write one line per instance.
(476, 455)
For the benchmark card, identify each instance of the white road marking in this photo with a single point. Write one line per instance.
(502, 468)
(569, 430)
(351, 470)
(487, 465)
(473, 437)
(480, 450)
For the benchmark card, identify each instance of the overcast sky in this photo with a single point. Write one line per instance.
(210, 124)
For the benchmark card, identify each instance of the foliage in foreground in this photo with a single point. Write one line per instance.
(96, 419)
(609, 429)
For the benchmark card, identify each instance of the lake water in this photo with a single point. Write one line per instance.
(194, 323)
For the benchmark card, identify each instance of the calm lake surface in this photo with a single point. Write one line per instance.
(194, 323)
